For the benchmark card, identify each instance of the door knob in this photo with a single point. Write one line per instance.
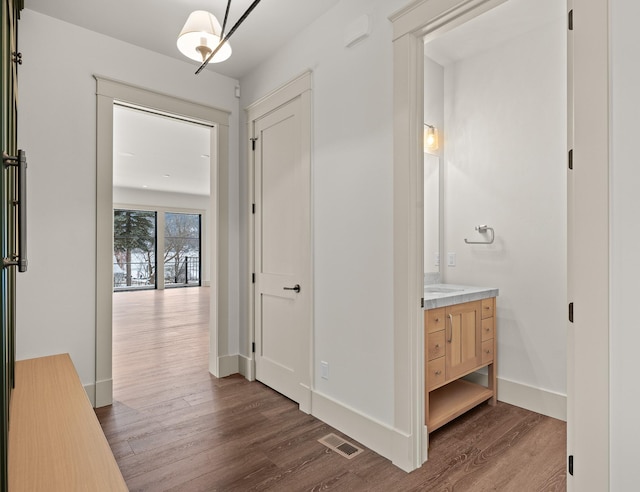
(295, 288)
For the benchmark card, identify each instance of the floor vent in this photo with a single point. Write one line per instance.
(340, 446)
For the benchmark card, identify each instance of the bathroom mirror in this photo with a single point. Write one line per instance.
(433, 172)
(431, 218)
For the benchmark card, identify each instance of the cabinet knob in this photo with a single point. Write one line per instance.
(437, 320)
(438, 373)
(437, 345)
(487, 351)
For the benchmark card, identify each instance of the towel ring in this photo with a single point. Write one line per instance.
(482, 229)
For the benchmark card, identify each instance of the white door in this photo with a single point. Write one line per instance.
(282, 251)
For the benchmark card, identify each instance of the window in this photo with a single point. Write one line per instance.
(181, 249)
(134, 249)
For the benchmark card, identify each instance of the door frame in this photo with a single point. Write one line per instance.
(108, 92)
(588, 227)
(301, 87)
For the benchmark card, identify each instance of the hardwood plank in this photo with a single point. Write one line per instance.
(173, 426)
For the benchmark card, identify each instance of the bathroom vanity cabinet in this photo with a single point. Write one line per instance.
(460, 338)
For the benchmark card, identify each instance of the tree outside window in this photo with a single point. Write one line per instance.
(182, 249)
(134, 246)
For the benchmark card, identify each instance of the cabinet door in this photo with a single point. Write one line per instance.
(463, 338)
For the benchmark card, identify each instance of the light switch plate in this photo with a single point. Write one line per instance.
(451, 259)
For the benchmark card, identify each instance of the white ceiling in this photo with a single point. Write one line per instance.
(159, 153)
(498, 25)
(147, 147)
(155, 24)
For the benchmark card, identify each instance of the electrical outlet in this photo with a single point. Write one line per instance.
(324, 370)
(451, 259)
(436, 259)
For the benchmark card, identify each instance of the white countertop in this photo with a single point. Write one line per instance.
(440, 295)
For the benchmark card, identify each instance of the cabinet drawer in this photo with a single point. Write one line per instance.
(488, 328)
(435, 373)
(488, 307)
(435, 345)
(434, 319)
(487, 351)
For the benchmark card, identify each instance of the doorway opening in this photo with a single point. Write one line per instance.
(211, 271)
(161, 192)
(587, 219)
(494, 87)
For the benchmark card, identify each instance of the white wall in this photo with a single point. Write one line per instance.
(165, 201)
(352, 198)
(505, 165)
(57, 121)
(625, 238)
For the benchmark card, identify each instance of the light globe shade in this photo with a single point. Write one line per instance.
(200, 36)
(430, 138)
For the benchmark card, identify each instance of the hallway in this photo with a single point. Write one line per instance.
(173, 426)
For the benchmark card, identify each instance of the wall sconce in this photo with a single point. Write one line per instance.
(200, 36)
(430, 137)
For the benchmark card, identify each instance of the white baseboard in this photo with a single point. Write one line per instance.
(228, 365)
(90, 390)
(522, 395)
(246, 367)
(102, 393)
(375, 435)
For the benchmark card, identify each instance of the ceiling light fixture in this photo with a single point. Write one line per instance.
(200, 35)
(203, 39)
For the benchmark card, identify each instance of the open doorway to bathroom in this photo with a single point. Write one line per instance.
(587, 215)
(495, 90)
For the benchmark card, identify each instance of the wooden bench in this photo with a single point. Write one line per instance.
(55, 440)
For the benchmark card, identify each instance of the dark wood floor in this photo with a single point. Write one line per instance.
(173, 426)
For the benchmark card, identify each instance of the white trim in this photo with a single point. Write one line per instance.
(434, 17)
(375, 435)
(588, 260)
(246, 366)
(522, 395)
(280, 96)
(90, 390)
(136, 96)
(103, 390)
(107, 93)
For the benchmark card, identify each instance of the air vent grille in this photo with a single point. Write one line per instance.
(340, 446)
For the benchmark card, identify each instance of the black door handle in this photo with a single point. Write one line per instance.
(295, 288)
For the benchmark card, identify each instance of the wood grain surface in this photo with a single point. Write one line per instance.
(173, 426)
(55, 440)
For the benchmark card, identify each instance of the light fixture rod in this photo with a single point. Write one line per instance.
(226, 15)
(226, 38)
